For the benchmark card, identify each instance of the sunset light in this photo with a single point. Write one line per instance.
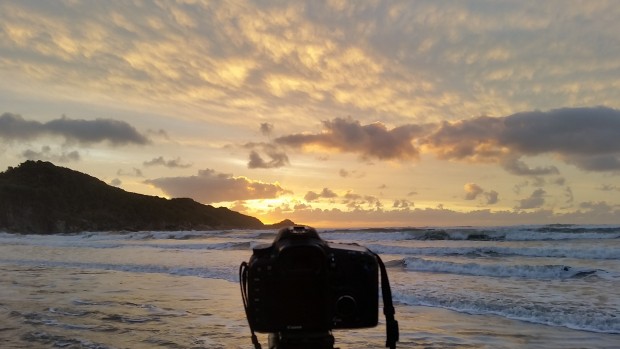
(410, 113)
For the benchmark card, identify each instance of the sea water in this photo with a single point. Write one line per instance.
(502, 287)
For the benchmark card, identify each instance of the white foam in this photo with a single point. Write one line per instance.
(496, 270)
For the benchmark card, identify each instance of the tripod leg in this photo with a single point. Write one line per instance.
(273, 341)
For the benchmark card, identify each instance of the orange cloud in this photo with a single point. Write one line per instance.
(209, 186)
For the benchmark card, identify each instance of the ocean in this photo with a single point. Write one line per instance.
(555, 286)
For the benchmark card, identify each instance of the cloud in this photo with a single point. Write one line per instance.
(14, 127)
(160, 161)
(135, 172)
(266, 129)
(593, 213)
(209, 186)
(404, 60)
(570, 198)
(597, 163)
(47, 155)
(402, 204)
(599, 207)
(277, 159)
(370, 141)
(277, 156)
(608, 187)
(357, 202)
(492, 197)
(350, 173)
(519, 168)
(570, 131)
(326, 194)
(589, 138)
(473, 191)
(535, 200)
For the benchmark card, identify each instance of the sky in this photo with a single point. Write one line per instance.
(329, 113)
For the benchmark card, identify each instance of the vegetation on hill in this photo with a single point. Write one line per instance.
(39, 197)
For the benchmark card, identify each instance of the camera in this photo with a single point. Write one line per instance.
(300, 282)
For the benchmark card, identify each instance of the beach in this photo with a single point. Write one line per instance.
(501, 287)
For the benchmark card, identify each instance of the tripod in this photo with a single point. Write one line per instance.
(301, 340)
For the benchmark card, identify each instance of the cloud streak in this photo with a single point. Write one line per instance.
(415, 60)
(14, 127)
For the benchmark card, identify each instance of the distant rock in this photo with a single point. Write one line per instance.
(283, 224)
(39, 197)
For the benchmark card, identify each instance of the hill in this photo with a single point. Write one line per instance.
(39, 197)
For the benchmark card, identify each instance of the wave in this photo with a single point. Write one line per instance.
(511, 233)
(243, 245)
(573, 316)
(495, 270)
(107, 241)
(502, 233)
(499, 251)
(228, 273)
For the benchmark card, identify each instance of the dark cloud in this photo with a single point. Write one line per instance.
(173, 163)
(370, 141)
(474, 139)
(570, 131)
(275, 153)
(519, 168)
(209, 186)
(536, 200)
(599, 163)
(266, 129)
(277, 159)
(14, 127)
(47, 154)
(589, 138)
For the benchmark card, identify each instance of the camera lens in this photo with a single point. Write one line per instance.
(346, 306)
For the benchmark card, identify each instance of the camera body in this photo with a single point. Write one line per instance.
(303, 283)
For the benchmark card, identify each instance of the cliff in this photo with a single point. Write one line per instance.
(39, 197)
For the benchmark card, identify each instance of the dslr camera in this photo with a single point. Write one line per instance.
(301, 287)
(301, 283)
